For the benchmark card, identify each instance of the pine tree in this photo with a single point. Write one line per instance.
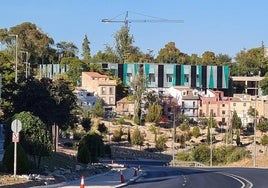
(86, 49)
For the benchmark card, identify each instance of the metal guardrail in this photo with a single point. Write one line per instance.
(187, 163)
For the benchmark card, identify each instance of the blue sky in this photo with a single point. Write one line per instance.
(226, 26)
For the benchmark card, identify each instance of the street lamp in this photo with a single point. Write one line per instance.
(254, 144)
(16, 65)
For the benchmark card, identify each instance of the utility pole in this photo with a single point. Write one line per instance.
(211, 149)
(173, 138)
(254, 144)
(16, 65)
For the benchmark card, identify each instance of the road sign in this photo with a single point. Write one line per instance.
(15, 137)
(16, 126)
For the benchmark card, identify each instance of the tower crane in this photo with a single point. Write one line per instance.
(126, 21)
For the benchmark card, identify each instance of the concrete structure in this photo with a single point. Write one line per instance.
(102, 86)
(247, 84)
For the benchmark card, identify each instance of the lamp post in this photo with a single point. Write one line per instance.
(16, 65)
(254, 128)
(173, 138)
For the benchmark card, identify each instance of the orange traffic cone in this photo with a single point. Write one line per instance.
(122, 177)
(82, 185)
(135, 172)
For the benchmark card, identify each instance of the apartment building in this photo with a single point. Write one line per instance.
(215, 104)
(102, 86)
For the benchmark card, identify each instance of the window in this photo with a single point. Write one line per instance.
(223, 105)
(103, 90)
(186, 78)
(129, 77)
(194, 104)
(111, 100)
(223, 112)
(244, 104)
(169, 77)
(111, 90)
(234, 104)
(151, 78)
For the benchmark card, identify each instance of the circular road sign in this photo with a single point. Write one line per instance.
(16, 126)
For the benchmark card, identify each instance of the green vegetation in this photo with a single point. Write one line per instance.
(221, 155)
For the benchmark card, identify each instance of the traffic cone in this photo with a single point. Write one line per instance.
(135, 172)
(122, 177)
(82, 185)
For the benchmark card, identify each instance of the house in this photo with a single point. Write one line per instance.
(215, 104)
(125, 107)
(85, 99)
(102, 86)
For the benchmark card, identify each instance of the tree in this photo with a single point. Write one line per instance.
(34, 137)
(123, 44)
(236, 121)
(208, 58)
(153, 129)
(263, 125)
(138, 87)
(67, 49)
(154, 113)
(94, 144)
(264, 84)
(75, 69)
(223, 59)
(160, 144)
(83, 155)
(33, 40)
(137, 138)
(196, 132)
(169, 54)
(117, 134)
(97, 109)
(86, 49)
(61, 92)
(102, 128)
(264, 142)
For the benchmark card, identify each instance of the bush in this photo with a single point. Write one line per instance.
(68, 144)
(107, 150)
(236, 155)
(22, 159)
(83, 155)
(196, 132)
(121, 120)
(184, 156)
(201, 154)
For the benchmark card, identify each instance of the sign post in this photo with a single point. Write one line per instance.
(16, 127)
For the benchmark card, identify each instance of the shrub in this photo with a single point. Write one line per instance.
(22, 159)
(201, 154)
(83, 155)
(68, 144)
(184, 156)
(107, 150)
(196, 132)
(121, 120)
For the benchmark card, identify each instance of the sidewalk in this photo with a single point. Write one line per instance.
(118, 176)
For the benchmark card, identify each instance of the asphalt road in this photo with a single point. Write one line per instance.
(168, 177)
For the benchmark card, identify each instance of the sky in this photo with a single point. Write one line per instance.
(223, 27)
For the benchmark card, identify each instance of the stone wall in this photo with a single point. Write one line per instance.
(121, 152)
